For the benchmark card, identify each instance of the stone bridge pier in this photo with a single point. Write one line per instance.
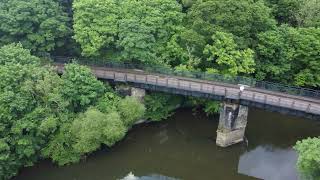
(232, 124)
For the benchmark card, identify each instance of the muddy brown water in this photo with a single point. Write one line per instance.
(183, 147)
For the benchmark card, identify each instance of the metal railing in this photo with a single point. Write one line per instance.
(161, 69)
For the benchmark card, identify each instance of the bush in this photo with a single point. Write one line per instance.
(160, 106)
(84, 135)
(130, 110)
(309, 157)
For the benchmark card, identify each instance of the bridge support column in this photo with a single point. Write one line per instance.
(232, 124)
(126, 90)
(138, 93)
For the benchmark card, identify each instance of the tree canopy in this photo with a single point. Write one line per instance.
(66, 117)
(226, 57)
(309, 157)
(30, 103)
(244, 19)
(290, 55)
(40, 25)
(81, 87)
(134, 30)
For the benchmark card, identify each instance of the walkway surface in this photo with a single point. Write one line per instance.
(229, 91)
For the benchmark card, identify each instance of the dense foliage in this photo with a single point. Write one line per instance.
(30, 102)
(66, 117)
(81, 88)
(226, 57)
(40, 25)
(244, 19)
(309, 157)
(39, 112)
(85, 134)
(132, 30)
(130, 110)
(160, 106)
(290, 55)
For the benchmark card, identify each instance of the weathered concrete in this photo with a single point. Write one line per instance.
(126, 90)
(138, 93)
(123, 89)
(232, 124)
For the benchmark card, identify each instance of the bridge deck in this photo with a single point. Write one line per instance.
(276, 99)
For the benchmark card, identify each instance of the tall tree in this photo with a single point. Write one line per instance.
(308, 15)
(225, 57)
(129, 30)
(290, 55)
(245, 19)
(309, 157)
(30, 104)
(285, 10)
(81, 87)
(40, 25)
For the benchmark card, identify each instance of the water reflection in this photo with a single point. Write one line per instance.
(267, 162)
(131, 176)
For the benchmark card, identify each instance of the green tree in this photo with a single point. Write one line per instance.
(60, 147)
(85, 134)
(226, 58)
(80, 87)
(108, 103)
(131, 110)
(297, 13)
(126, 30)
(185, 48)
(40, 25)
(94, 128)
(29, 106)
(245, 19)
(308, 15)
(95, 25)
(275, 55)
(285, 10)
(309, 157)
(289, 55)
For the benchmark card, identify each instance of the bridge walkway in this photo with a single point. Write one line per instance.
(209, 89)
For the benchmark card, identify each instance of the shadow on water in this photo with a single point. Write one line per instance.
(183, 147)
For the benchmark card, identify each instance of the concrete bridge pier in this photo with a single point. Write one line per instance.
(232, 124)
(138, 93)
(126, 90)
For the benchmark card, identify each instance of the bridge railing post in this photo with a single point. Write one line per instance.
(293, 104)
(125, 77)
(308, 108)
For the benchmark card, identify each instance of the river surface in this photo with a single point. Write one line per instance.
(183, 147)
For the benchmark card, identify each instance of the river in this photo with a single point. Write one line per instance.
(183, 147)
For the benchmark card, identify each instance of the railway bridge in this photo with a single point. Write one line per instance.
(236, 93)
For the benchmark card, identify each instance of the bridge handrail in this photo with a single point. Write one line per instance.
(270, 86)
